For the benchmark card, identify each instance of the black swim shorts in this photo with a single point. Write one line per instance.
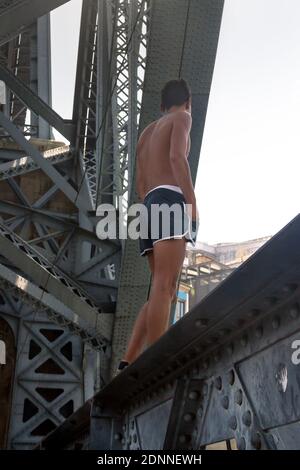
(165, 217)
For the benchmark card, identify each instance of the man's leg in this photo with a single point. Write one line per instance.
(168, 260)
(138, 335)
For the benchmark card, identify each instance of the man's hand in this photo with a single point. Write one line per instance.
(193, 210)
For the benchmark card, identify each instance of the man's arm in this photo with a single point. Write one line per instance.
(180, 132)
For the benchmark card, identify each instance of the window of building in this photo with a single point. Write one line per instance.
(181, 306)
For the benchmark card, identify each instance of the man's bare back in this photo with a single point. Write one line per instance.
(153, 154)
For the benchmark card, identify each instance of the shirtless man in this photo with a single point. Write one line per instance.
(163, 176)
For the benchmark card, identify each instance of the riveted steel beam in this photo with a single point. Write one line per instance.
(232, 355)
(55, 310)
(15, 15)
(35, 103)
(44, 164)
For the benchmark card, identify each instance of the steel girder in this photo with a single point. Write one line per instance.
(183, 42)
(48, 383)
(15, 15)
(224, 371)
(47, 238)
(74, 196)
(33, 101)
(110, 70)
(24, 165)
(15, 55)
(125, 26)
(85, 96)
(49, 277)
(56, 311)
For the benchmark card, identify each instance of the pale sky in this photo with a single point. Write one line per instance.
(247, 183)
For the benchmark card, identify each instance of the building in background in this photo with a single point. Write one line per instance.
(205, 266)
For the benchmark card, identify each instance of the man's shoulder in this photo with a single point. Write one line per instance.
(150, 126)
(182, 116)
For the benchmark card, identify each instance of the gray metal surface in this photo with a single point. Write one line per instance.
(223, 371)
(15, 15)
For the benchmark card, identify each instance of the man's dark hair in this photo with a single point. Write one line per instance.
(175, 93)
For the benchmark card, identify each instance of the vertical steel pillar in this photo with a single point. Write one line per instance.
(40, 71)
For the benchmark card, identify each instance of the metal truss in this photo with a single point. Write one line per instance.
(14, 133)
(15, 15)
(55, 310)
(85, 97)
(186, 45)
(48, 383)
(223, 372)
(24, 165)
(125, 62)
(108, 92)
(15, 55)
(33, 101)
(47, 275)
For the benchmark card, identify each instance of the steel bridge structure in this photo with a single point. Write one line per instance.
(68, 299)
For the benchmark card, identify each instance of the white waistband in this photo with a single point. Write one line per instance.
(166, 186)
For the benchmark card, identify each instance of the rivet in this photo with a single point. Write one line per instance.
(231, 377)
(184, 438)
(188, 417)
(118, 436)
(194, 395)
(225, 402)
(204, 389)
(218, 383)
(256, 440)
(294, 311)
(132, 424)
(244, 340)
(239, 397)
(200, 411)
(241, 443)
(232, 423)
(275, 323)
(247, 418)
